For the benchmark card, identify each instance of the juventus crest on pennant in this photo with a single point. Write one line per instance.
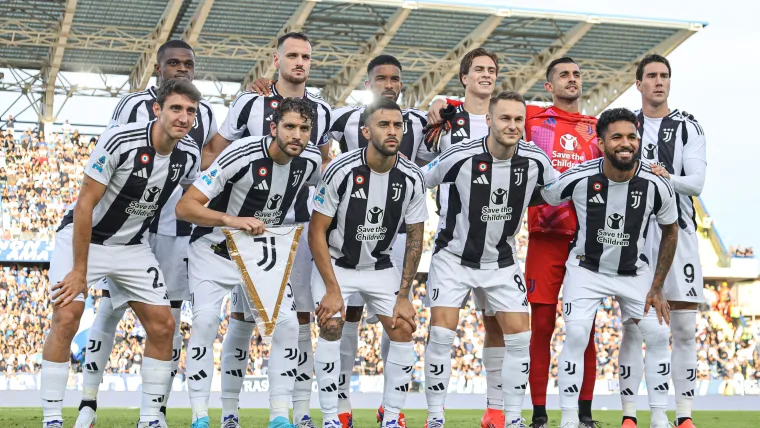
(264, 263)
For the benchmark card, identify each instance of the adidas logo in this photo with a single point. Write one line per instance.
(160, 399)
(626, 391)
(236, 373)
(663, 387)
(481, 180)
(342, 396)
(201, 375)
(269, 118)
(692, 292)
(403, 388)
(524, 386)
(359, 194)
(91, 367)
(140, 173)
(289, 373)
(597, 199)
(461, 133)
(689, 393)
(303, 378)
(262, 186)
(573, 389)
(438, 387)
(329, 388)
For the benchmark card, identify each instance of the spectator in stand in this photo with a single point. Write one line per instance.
(66, 130)
(10, 124)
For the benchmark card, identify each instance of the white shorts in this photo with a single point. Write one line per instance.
(397, 257)
(171, 253)
(450, 283)
(212, 277)
(300, 274)
(133, 271)
(684, 281)
(378, 288)
(583, 290)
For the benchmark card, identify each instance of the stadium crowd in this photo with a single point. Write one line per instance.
(39, 176)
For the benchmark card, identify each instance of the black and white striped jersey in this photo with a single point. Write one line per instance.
(464, 126)
(244, 181)
(612, 217)
(251, 114)
(367, 208)
(138, 181)
(138, 107)
(347, 124)
(487, 200)
(678, 144)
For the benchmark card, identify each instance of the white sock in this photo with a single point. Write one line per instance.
(571, 368)
(235, 351)
(200, 361)
(631, 362)
(398, 373)
(493, 361)
(515, 371)
(99, 346)
(385, 345)
(438, 369)
(304, 380)
(53, 387)
(327, 365)
(283, 365)
(684, 359)
(176, 351)
(657, 366)
(349, 345)
(156, 375)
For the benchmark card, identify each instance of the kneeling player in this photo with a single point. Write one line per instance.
(491, 182)
(130, 176)
(363, 198)
(253, 183)
(614, 198)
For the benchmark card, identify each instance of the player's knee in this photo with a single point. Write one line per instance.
(354, 313)
(161, 328)
(577, 331)
(332, 329)
(655, 335)
(440, 336)
(66, 322)
(402, 332)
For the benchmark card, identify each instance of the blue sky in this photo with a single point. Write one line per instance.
(711, 76)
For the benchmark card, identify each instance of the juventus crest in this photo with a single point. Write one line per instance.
(636, 198)
(297, 174)
(176, 168)
(668, 134)
(397, 189)
(519, 176)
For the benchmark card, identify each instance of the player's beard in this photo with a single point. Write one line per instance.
(296, 80)
(380, 147)
(618, 164)
(287, 149)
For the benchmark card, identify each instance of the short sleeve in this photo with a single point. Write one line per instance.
(102, 164)
(416, 211)
(668, 212)
(554, 191)
(213, 129)
(327, 199)
(211, 182)
(696, 146)
(191, 175)
(236, 122)
(316, 175)
(323, 115)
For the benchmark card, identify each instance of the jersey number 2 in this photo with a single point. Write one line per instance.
(154, 271)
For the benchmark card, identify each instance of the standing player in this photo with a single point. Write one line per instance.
(492, 180)
(568, 138)
(363, 198)
(384, 81)
(674, 144)
(252, 184)
(168, 236)
(131, 175)
(614, 198)
(478, 71)
(251, 114)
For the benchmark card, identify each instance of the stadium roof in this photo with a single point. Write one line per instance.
(234, 41)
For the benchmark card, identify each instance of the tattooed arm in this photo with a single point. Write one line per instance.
(412, 255)
(655, 297)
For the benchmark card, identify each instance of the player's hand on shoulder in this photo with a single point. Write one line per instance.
(688, 115)
(68, 289)
(659, 170)
(404, 311)
(434, 112)
(251, 225)
(261, 86)
(331, 304)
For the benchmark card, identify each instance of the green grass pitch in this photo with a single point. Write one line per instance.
(256, 418)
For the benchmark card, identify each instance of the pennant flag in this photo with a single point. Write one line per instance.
(264, 264)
